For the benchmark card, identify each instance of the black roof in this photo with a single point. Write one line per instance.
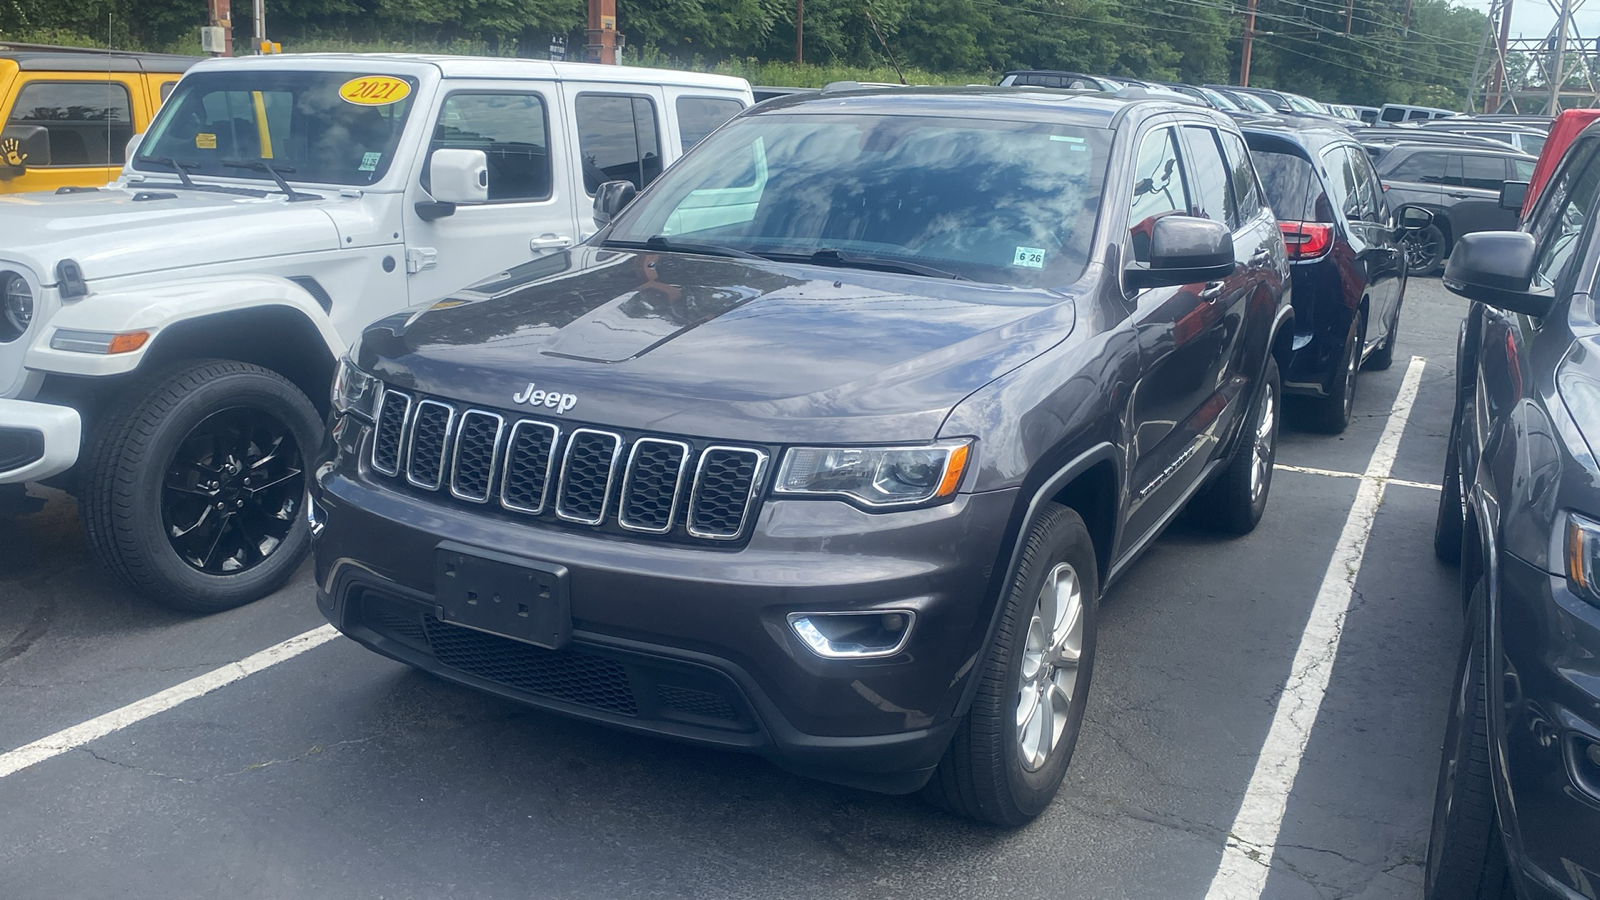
(1089, 108)
(46, 58)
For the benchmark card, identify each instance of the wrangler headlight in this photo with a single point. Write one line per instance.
(354, 391)
(875, 476)
(18, 301)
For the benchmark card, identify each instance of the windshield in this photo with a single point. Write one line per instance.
(1001, 202)
(318, 127)
(1304, 104)
(1252, 102)
(1219, 101)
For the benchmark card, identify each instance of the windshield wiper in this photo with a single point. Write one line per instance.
(662, 242)
(829, 256)
(174, 165)
(190, 184)
(277, 173)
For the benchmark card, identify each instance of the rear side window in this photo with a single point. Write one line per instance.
(510, 130)
(64, 124)
(1292, 188)
(1342, 183)
(1393, 114)
(699, 116)
(1521, 170)
(1212, 199)
(1246, 198)
(1419, 114)
(1486, 173)
(619, 140)
(1427, 168)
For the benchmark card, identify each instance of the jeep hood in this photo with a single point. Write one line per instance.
(720, 348)
(119, 231)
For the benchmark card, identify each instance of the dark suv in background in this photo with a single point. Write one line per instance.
(827, 446)
(1344, 243)
(1460, 185)
(1518, 806)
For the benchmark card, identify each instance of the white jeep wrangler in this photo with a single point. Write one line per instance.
(167, 342)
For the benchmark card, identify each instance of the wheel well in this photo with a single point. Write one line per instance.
(273, 337)
(1093, 495)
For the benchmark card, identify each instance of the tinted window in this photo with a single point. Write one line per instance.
(1428, 168)
(1159, 188)
(72, 124)
(1212, 198)
(1570, 201)
(1533, 144)
(1485, 173)
(699, 116)
(1292, 188)
(1521, 170)
(1374, 208)
(1000, 202)
(1418, 114)
(510, 130)
(618, 139)
(1247, 199)
(1393, 114)
(1343, 188)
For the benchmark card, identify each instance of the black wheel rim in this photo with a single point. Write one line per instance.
(1422, 251)
(233, 491)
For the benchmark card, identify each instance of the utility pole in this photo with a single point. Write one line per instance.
(1405, 21)
(1249, 36)
(1558, 59)
(260, 23)
(799, 31)
(1349, 14)
(602, 31)
(221, 16)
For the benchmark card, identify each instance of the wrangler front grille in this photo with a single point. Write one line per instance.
(642, 484)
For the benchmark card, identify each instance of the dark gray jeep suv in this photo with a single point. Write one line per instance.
(827, 446)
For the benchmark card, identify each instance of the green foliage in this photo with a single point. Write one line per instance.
(1302, 44)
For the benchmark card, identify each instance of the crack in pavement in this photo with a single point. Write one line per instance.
(314, 750)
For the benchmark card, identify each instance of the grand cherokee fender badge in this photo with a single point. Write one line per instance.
(548, 399)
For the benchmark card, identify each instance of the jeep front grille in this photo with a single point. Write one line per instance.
(643, 484)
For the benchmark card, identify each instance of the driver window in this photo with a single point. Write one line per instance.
(510, 130)
(1159, 189)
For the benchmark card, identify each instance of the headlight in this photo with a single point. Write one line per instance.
(1583, 556)
(354, 391)
(18, 303)
(882, 476)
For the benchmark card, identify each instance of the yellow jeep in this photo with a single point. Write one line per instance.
(69, 112)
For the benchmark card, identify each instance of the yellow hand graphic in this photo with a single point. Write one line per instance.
(11, 152)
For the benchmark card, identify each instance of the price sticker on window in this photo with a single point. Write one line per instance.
(374, 90)
(1029, 258)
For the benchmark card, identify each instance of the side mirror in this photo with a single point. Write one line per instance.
(1496, 268)
(1412, 218)
(611, 198)
(1184, 250)
(1513, 194)
(455, 178)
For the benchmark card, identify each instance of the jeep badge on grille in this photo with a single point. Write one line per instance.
(549, 399)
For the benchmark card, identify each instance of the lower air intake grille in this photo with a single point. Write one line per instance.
(577, 678)
(695, 703)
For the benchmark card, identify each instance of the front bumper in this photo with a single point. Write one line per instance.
(1550, 671)
(37, 440)
(688, 642)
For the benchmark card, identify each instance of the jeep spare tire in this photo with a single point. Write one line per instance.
(195, 489)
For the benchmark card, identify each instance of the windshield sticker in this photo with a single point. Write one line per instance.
(204, 141)
(1029, 257)
(374, 90)
(369, 161)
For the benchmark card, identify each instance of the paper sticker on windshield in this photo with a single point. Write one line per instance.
(204, 141)
(1029, 257)
(369, 161)
(374, 90)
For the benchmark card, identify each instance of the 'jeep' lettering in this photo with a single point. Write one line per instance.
(548, 399)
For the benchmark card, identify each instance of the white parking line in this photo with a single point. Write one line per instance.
(1335, 473)
(1247, 858)
(72, 738)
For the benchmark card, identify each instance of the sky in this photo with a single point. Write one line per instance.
(1535, 18)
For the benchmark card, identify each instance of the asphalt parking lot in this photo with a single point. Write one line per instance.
(337, 773)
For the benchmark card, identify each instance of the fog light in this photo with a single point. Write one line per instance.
(854, 635)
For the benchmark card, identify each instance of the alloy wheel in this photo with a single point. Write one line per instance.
(1050, 661)
(1422, 250)
(232, 491)
(1261, 448)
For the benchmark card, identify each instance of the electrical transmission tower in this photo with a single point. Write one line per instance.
(1544, 74)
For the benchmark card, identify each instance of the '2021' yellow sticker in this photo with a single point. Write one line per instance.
(374, 90)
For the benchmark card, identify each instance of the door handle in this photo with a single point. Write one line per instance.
(1261, 256)
(1454, 195)
(549, 241)
(1211, 291)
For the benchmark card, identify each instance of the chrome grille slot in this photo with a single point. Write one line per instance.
(430, 435)
(394, 413)
(651, 485)
(588, 469)
(724, 485)
(529, 453)
(476, 455)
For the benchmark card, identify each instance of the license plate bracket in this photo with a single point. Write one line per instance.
(512, 596)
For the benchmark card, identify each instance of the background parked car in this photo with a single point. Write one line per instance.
(1460, 185)
(1345, 255)
(1542, 123)
(1518, 804)
(69, 112)
(1285, 103)
(1247, 100)
(1527, 140)
(1403, 112)
(1057, 79)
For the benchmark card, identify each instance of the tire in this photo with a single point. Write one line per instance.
(996, 770)
(1234, 504)
(162, 500)
(1451, 521)
(1424, 251)
(1331, 414)
(1383, 357)
(1466, 859)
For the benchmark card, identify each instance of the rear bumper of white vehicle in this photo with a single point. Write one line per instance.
(37, 440)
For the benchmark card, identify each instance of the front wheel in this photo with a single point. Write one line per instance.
(1012, 749)
(194, 491)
